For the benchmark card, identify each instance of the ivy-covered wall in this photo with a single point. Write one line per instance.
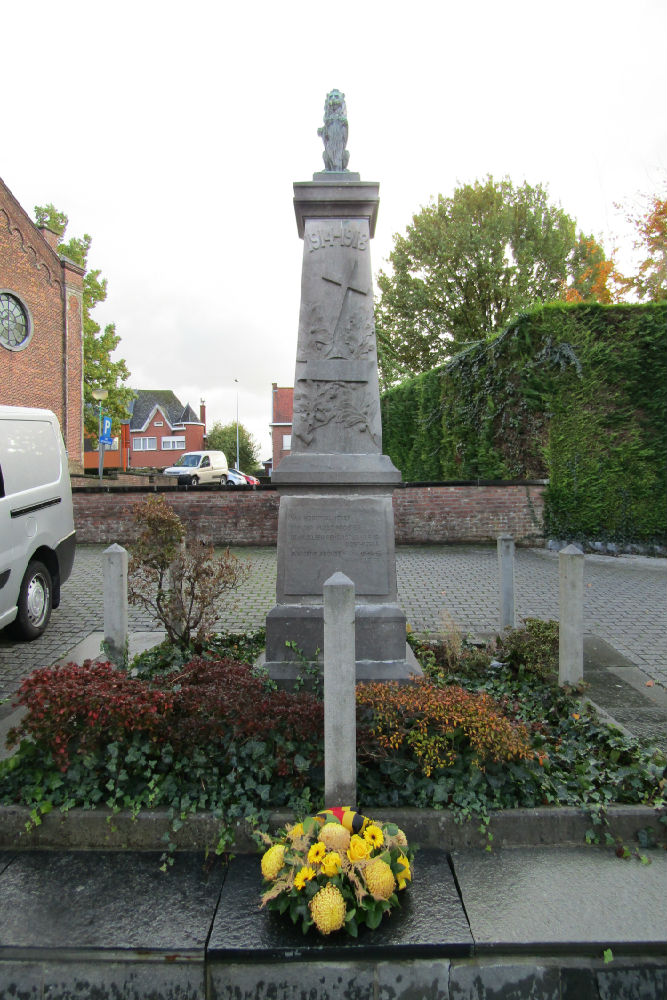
(573, 393)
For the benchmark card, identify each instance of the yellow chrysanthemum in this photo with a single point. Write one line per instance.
(331, 863)
(404, 876)
(379, 879)
(327, 908)
(296, 831)
(373, 835)
(316, 853)
(358, 849)
(272, 861)
(335, 837)
(302, 876)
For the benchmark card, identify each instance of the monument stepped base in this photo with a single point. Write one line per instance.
(287, 673)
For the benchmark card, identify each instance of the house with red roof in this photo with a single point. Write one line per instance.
(159, 431)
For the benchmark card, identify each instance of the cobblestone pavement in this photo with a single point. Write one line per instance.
(625, 601)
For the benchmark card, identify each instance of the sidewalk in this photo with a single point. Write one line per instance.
(547, 920)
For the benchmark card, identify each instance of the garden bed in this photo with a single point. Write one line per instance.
(199, 747)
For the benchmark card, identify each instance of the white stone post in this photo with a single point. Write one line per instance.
(571, 631)
(506, 580)
(176, 588)
(340, 708)
(115, 603)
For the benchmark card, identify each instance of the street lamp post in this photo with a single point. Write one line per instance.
(238, 464)
(100, 395)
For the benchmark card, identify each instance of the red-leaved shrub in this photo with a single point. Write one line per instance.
(84, 708)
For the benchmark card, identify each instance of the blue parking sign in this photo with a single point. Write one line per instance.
(106, 430)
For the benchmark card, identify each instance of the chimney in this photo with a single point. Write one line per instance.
(51, 238)
(202, 412)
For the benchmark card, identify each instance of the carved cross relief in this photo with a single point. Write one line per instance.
(336, 357)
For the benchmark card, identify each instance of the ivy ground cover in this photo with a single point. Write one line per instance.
(485, 729)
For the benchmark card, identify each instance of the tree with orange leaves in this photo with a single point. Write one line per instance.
(650, 282)
(593, 277)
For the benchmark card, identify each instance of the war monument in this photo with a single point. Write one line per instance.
(336, 486)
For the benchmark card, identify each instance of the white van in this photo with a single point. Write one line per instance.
(197, 467)
(37, 537)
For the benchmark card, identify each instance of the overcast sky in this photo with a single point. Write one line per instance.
(172, 133)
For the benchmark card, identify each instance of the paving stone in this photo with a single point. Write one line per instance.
(430, 922)
(563, 899)
(439, 586)
(115, 901)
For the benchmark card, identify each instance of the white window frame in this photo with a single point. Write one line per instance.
(144, 444)
(172, 443)
(287, 442)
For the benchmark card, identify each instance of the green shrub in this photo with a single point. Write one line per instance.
(533, 648)
(576, 394)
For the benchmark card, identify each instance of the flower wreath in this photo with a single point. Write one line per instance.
(336, 870)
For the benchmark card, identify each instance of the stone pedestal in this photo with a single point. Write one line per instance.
(336, 487)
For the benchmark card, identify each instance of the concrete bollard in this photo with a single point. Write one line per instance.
(115, 603)
(571, 613)
(340, 708)
(506, 580)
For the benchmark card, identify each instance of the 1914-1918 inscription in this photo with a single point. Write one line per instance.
(325, 536)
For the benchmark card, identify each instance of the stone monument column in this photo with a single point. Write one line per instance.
(336, 486)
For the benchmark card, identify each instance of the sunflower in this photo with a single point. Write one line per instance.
(373, 835)
(302, 876)
(316, 853)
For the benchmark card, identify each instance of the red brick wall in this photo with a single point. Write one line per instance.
(467, 513)
(423, 514)
(42, 374)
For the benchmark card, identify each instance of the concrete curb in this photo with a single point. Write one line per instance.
(100, 829)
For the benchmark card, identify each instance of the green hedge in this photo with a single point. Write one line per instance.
(573, 393)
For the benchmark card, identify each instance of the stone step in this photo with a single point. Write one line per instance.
(530, 922)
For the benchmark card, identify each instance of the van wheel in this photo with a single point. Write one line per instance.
(194, 481)
(35, 602)
(223, 481)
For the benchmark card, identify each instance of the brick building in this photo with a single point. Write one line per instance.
(161, 429)
(281, 423)
(41, 334)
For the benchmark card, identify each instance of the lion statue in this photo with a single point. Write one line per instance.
(334, 132)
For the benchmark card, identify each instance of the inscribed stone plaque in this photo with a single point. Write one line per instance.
(327, 535)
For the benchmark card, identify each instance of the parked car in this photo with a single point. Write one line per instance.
(195, 467)
(251, 480)
(37, 536)
(236, 478)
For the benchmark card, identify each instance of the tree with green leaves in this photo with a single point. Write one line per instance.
(223, 438)
(99, 371)
(466, 266)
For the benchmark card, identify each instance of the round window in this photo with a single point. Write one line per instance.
(14, 322)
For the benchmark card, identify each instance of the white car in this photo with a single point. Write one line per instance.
(236, 478)
(37, 537)
(195, 467)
